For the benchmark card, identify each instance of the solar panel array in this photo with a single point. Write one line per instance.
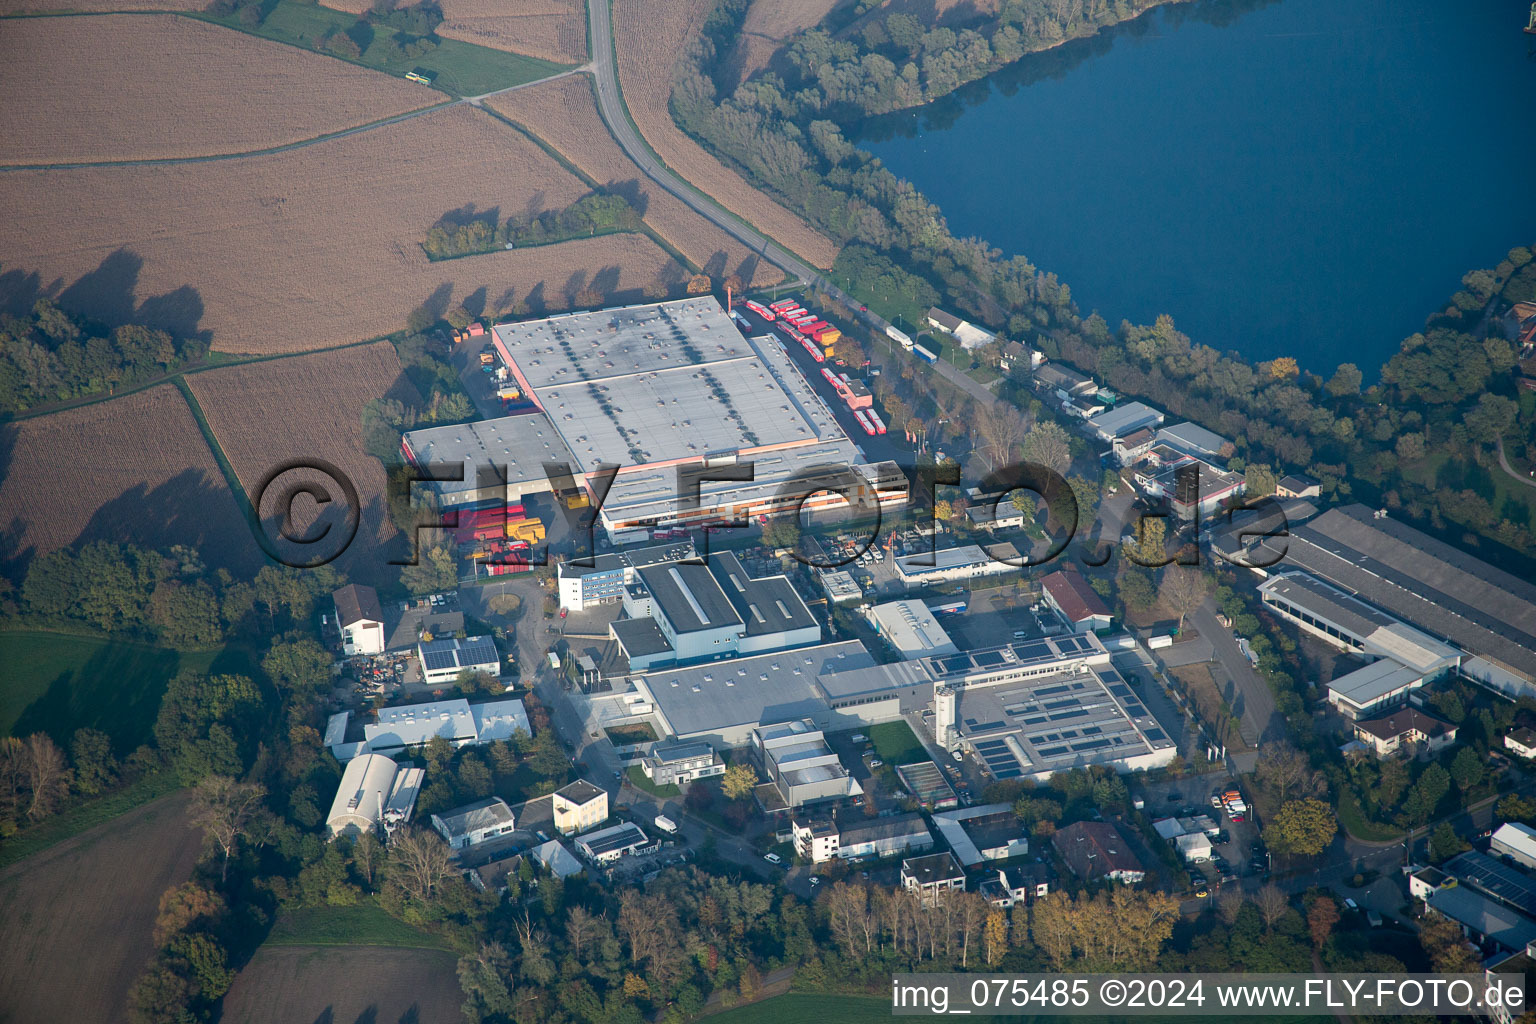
(1495, 878)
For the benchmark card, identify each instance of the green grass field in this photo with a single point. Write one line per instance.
(57, 683)
(895, 744)
(807, 1008)
(362, 925)
(463, 69)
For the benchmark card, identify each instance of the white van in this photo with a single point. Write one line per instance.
(665, 824)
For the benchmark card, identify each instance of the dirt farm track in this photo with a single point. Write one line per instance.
(75, 929)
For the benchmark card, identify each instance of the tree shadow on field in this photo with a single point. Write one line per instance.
(469, 214)
(117, 691)
(412, 1015)
(474, 303)
(327, 1016)
(368, 1016)
(606, 280)
(631, 192)
(194, 507)
(715, 268)
(536, 301)
(109, 296)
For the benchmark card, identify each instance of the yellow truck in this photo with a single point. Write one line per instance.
(530, 530)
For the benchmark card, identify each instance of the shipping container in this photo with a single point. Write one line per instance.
(761, 310)
(899, 337)
(814, 349)
(924, 354)
(784, 304)
(862, 415)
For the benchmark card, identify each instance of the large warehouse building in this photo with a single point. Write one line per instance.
(1026, 709)
(1484, 611)
(663, 391)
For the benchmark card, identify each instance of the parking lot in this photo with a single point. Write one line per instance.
(1239, 847)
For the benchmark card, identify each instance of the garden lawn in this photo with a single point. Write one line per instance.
(639, 781)
(57, 683)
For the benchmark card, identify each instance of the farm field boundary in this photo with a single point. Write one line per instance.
(591, 182)
(462, 69)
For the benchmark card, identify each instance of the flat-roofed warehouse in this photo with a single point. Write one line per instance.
(1036, 707)
(655, 387)
(1483, 610)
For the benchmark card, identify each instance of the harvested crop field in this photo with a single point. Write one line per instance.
(135, 86)
(552, 29)
(564, 114)
(768, 23)
(132, 469)
(10, 7)
(270, 413)
(648, 37)
(345, 984)
(78, 916)
(309, 248)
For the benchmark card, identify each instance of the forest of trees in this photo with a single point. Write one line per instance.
(594, 214)
(50, 356)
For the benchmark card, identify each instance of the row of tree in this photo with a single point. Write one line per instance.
(597, 213)
(168, 596)
(48, 355)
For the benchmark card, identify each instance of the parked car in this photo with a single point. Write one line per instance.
(773, 858)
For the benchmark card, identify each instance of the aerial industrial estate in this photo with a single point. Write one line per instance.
(578, 512)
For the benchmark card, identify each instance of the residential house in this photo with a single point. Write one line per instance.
(677, 764)
(1522, 741)
(1297, 486)
(1134, 446)
(1406, 728)
(579, 806)
(359, 619)
(1021, 883)
(928, 877)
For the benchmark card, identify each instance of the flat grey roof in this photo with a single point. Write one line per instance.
(745, 691)
(655, 554)
(1193, 436)
(1446, 592)
(668, 753)
(874, 829)
(1372, 682)
(1057, 721)
(1125, 419)
(689, 596)
(662, 381)
(767, 605)
(1381, 633)
(581, 791)
(518, 445)
(640, 638)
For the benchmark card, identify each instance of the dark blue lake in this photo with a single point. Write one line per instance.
(1301, 177)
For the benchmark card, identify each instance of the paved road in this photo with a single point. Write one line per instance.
(610, 103)
(1260, 720)
(1513, 473)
